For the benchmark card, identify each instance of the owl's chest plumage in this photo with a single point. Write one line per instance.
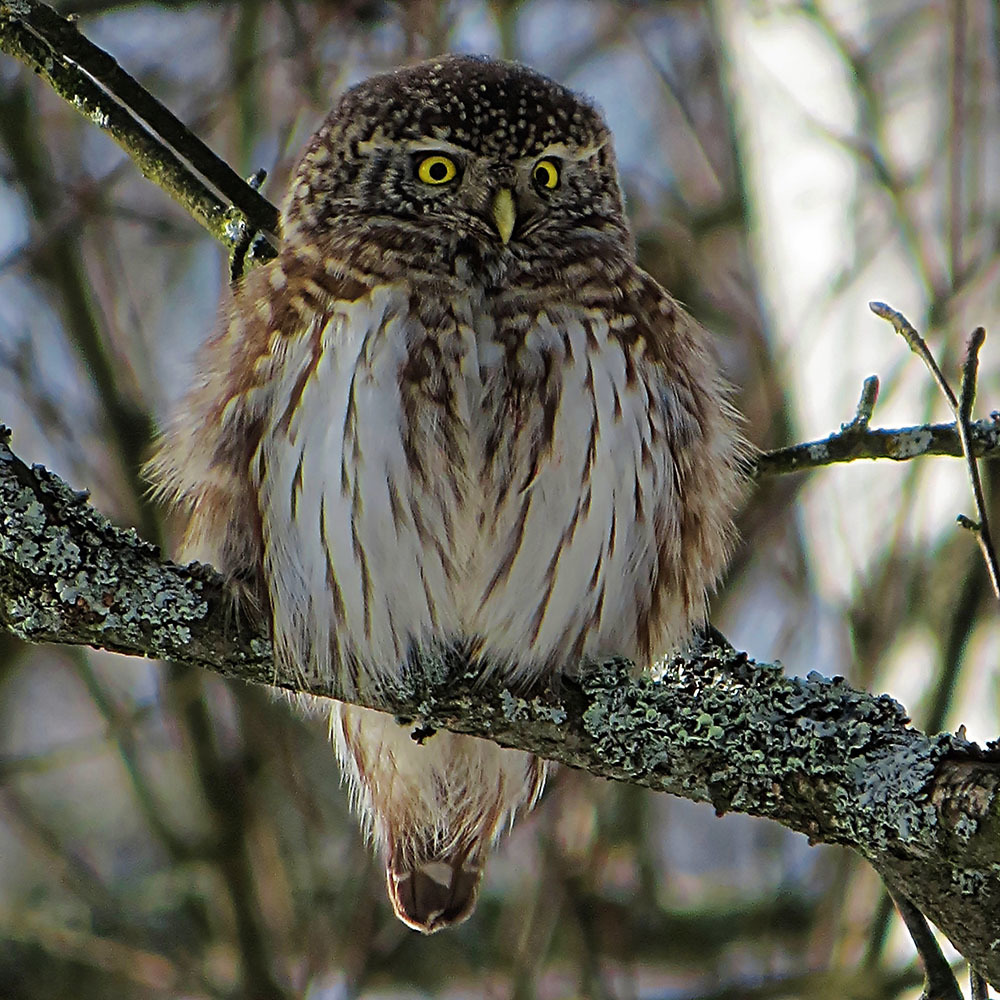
(477, 469)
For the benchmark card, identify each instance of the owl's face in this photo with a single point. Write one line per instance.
(464, 162)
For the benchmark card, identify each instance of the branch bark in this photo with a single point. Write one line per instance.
(837, 764)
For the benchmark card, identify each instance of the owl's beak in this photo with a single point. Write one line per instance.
(504, 213)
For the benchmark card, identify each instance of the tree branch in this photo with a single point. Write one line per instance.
(837, 764)
(901, 444)
(93, 82)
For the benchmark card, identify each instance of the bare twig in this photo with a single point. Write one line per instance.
(917, 344)
(978, 985)
(57, 263)
(970, 371)
(962, 408)
(956, 137)
(966, 399)
(866, 406)
(63, 37)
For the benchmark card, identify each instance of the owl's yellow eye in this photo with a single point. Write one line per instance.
(437, 169)
(546, 174)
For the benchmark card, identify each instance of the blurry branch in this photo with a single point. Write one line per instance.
(97, 86)
(58, 264)
(837, 764)
(166, 152)
(978, 985)
(63, 944)
(940, 982)
(120, 732)
(874, 985)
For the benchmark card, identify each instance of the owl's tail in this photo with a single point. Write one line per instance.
(434, 808)
(430, 895)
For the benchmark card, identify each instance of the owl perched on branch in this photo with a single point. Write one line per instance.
(454, 412)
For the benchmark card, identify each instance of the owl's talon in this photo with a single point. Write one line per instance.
(422, 733)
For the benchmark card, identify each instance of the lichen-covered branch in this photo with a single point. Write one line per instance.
(837, 764)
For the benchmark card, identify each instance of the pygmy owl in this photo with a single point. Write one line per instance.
(455, 412)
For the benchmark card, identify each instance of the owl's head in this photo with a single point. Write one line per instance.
(462, 157)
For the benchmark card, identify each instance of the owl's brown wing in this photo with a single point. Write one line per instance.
(201, 465)
(701, 431)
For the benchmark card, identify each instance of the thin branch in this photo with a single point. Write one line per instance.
(856, 440)
(962, 408)
(73, 66)
(917, 344)
(978, 985)
(966, 399)
(970, 372)
(837, 764)
(95, 85)
(958, 71)
(865, 408)
(115, 962)
(120, 734)
(58, 263)
(843, 982)
(898, 444)
(64, 37)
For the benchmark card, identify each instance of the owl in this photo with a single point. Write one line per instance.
(454, 413)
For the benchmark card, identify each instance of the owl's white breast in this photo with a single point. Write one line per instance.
(506, 516)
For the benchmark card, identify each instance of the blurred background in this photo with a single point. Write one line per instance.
(165, 834)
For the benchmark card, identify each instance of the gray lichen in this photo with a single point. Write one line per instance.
(909, 443)
(75, 571)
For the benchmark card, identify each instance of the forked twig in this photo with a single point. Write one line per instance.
(917, 344)
(962, 408)
(966, 398)
(866, 406)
